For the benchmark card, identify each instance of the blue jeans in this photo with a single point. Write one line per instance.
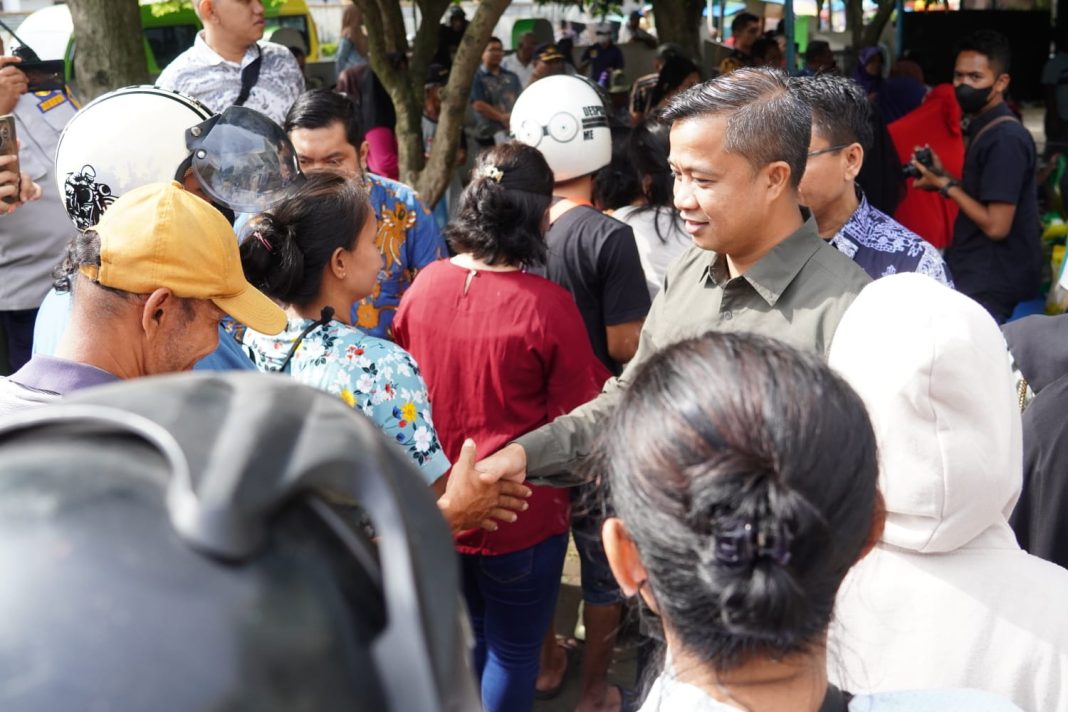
(511, 599)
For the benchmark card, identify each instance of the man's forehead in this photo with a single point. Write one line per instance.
(325, 138)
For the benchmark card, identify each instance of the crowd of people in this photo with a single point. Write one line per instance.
(769, 410)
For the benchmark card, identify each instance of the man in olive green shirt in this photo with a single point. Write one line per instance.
(738, 149)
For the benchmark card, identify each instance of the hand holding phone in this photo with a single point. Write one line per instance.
(13, 83)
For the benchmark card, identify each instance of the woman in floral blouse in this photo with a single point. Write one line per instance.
(315, 253)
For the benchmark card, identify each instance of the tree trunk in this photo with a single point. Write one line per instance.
(442, 160)
(405, 86)
(110, 50)
(679, 21)
(854, 12)
(874, 29)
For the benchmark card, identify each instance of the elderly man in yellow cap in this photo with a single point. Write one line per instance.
(148, 297)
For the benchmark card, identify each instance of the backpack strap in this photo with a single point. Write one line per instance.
(249, 76)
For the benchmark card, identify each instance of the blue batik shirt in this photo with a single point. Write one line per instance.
(882, 246)
(408, 239)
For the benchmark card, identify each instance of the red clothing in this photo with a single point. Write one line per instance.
(935, 122)
(499, 361)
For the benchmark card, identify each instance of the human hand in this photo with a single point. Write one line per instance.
(470, 502)
(13, 84)
(508, 463)
(12, 184)
(933, 178)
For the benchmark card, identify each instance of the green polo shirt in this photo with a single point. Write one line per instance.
(796, 293)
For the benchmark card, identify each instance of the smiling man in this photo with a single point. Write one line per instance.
(228, 65)
(738, 149)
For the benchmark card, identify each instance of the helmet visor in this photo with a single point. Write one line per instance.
(242, 159)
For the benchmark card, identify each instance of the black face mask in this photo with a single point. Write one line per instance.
(971, 99)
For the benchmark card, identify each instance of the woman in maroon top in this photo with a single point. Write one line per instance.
(503, 352)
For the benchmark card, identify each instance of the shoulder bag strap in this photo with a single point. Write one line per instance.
(974, 139)
(836, 700)
(249, 76)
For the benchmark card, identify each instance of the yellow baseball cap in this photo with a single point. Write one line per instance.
(161, 235)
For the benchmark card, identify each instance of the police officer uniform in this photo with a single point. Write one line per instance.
(34, 237)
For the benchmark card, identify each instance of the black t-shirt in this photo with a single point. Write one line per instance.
(999, 168)
(595, 258)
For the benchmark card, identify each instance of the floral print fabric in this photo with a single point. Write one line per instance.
(376, 377)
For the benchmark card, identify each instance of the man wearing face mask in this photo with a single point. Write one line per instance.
(996, 254)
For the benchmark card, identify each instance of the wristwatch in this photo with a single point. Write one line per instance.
(944, 190)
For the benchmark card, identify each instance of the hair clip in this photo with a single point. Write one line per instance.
(492, 172)
(739, 543)
(262, 240)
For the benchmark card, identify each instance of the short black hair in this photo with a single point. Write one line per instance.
(815, 49)
(992, 45)
(841, 113)
(319, 108)
(741, 20)
(502, 210)
(766, 122)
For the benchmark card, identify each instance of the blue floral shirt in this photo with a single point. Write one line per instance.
(408, 239)
(374, 376)
(882, 246)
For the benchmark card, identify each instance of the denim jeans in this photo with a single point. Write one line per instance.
(511, 599)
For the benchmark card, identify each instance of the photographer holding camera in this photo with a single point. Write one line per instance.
(33, 238)
(996, 254)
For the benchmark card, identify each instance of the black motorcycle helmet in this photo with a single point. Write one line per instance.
(191, 543)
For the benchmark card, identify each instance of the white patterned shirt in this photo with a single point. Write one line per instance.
(202, 74)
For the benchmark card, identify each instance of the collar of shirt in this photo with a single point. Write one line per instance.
(774, 272)
(58, 375)
(210, 56)
(860, 220)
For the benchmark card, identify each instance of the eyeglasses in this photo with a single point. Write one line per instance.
(829, 149)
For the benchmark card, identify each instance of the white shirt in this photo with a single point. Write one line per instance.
(512, 64)
(202, 74)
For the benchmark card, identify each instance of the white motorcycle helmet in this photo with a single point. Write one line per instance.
(565, 118)
(139, 135)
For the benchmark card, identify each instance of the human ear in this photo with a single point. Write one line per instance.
(776, 179)
(623, 556)
(365, 149)
(1001, 84)
(854, 158)
(155, 309)
(339, 263)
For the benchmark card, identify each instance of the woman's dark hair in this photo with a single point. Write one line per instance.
(745, 473)
(502, 211)
(286, 248)
(648, 151)
(617, 184)
(671, 77)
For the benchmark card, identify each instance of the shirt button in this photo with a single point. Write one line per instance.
(728, 315)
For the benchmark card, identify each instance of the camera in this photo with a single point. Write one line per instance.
(924, 156)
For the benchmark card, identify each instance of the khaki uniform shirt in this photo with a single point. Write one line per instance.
(796, 293)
